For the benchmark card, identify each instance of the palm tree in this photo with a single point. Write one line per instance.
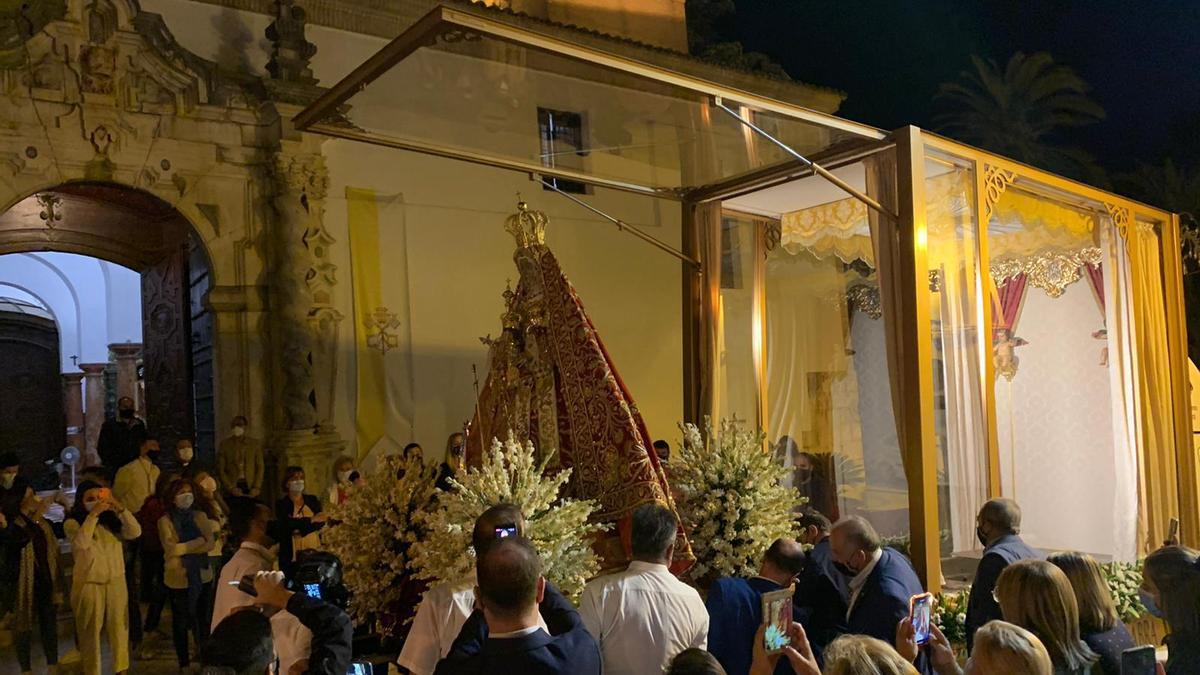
(1016, 111)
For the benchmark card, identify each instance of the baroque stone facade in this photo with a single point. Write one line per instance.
(100, 91)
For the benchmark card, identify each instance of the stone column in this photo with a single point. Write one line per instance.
(73, 407)
(127, 354)
(93, 390)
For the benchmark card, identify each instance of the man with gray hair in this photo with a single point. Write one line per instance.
(644, 616)
(881, 579)
(998, 527)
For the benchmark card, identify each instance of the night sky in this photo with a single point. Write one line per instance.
(1142, 59)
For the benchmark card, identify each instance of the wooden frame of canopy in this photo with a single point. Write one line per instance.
(1178, 490)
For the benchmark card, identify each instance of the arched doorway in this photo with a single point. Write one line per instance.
(31, 418)
(140, 231)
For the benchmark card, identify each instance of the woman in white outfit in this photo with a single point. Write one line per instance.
(99, 598)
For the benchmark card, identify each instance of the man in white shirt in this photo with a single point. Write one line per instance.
(644, 616)
(135, 481)
(249, 522)
(445, 607)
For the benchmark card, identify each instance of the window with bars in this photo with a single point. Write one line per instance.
(562, 144)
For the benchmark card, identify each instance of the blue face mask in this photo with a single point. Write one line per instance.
(1150, 604)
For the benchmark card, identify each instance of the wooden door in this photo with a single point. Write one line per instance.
(32, 421)
(167, 348)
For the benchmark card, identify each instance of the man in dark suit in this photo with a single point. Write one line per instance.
(881, 581)
(504, 637)
(121, 438)
(735, 607)
(822, 593)
(998, 528)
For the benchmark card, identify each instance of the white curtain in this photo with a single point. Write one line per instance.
(966, 440)
(1122, 359)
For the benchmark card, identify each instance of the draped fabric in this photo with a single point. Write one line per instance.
(1159, 470)
(551, 381)
(707, 220)
(1006, 306)
(1129, 512)
(1095, 277)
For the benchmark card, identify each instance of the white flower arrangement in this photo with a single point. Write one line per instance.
(510, 473)
(731, 498)
(373, 532)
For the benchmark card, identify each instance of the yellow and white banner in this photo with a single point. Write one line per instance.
(382, 329)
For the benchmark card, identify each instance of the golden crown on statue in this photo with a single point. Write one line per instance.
(528, 227)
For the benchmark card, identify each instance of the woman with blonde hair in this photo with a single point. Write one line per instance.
(1171, 583)
(1002, 647)
(862, 655)
(1099, 624)
(1037, 596)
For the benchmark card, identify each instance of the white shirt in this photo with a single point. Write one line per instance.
(440, 618)
(860, 580)
(642, 618)
(443, 611)
(293, 641)
(135, 482)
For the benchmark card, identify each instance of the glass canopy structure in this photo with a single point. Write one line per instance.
(921, 324)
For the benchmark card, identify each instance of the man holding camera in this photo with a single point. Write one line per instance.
(242, 643)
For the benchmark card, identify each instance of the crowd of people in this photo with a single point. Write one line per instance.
(153, 532)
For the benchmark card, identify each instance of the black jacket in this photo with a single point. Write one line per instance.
(332, 635)
(821, 599)
(285, 525)
(568, 649)
(120, 443)
(981, 607)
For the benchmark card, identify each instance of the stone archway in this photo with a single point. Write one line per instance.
(142, 232)
(102, 93)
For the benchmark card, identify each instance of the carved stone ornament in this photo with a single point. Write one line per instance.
(291, 52)
(1052, 272)
(305, 174)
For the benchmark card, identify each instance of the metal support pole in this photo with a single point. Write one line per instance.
(622, 225)
(816, 168)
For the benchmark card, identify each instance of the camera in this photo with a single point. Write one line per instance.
(316, 574)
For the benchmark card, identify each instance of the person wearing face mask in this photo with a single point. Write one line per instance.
(185, 456)
(209, 500)
(1171, 590)
(154, 592)
(300, 518)
(134, 484)
(822, 595)
(97, 526)
(456, 456)
(343, 485)
(251, 527)
(11, 480)
(186, 535)
(30, 553)
(240, 462)
(998, 527)
(120, 438)
(881, 581)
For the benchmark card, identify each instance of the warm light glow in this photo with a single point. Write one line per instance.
(922, 238)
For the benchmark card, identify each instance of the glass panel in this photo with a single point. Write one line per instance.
(736, 381)
(955, 317)
(1054, 398)
(471, 92)
(828, 390)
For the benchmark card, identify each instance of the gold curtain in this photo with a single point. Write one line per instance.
(707, 221)
(1158, 486)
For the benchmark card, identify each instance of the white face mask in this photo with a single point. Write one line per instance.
(7, 480)
(239, 431)
(90, 504)
(185, 500)
(209, 484)
(186, 453)
(344, 476)
(296, 487)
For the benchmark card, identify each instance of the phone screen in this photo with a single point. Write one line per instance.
(920, 613)
(360, 669)
(505, 531)
(1138, 661)
(777, 614)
